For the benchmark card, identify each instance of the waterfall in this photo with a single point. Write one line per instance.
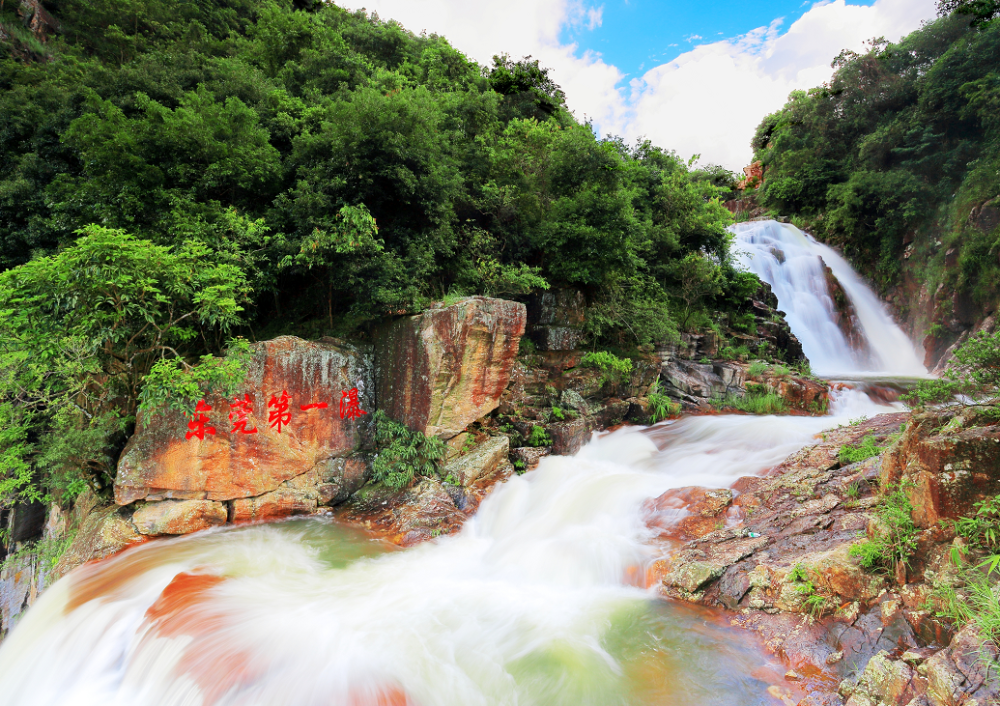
(792, 262)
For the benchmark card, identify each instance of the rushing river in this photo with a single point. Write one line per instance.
(539, 600)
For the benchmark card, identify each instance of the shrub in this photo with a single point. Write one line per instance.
(607, 362)
(753, 402)
(757, 368)
(539, 437)
(402, 454)
(661, 406)
(866, 449)
(895, 535)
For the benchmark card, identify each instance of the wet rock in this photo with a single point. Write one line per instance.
(883, 681)
(278, 504)
(697, 383)
(569, 437)
(445, 368)
(178, 516)
(485, 462)
(555, 319)
(159, 463)
(949, 467)
(689, 512)
(529, 455)
(104, 532)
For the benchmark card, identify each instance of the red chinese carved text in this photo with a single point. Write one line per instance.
(238, 415)
(279, 415)
(199, 423)
(350, 407)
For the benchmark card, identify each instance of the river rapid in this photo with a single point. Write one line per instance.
(539, 600)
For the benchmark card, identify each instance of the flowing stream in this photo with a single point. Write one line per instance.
(539, 600)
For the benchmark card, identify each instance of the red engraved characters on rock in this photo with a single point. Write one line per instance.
(199, 423)
(239, 409)
(279, 415)
(314, 405)
(350, 407)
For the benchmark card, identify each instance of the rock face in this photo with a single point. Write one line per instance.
(555, 319)
(179, 516)
(779, 556)
(697, 383)
(946, 466)
(160, 463)
(845, 315)
(445, 368)
(431, 507)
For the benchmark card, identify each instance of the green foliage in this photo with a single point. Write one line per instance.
(902, 139)
(895, 536)
(538, 437)
(974, 372)
(80, 331)
(866, 449)
(173, 174)
(982, 530)
(661, 405)
(173, 383)
(614, 368)
(403, 455)
(558, 413)
(753, 402)
(757, 368)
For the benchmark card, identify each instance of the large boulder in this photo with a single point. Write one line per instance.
(179, 516)
(443, 369)
(161, 463)
(946, 465)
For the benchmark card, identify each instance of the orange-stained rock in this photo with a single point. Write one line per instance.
(179, 516)
(445, 368)
(160, 463)
(689, 512)
(283, 502)
(945, 466)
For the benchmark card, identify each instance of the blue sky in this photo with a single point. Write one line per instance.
(635, 35)
(694, 77)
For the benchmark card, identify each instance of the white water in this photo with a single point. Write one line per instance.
(790, 261)
(535, 602)
(530, 604)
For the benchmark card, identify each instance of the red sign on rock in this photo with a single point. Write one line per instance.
(279, 415)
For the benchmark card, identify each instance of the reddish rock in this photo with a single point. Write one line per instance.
(947, 468)
(447, 367)
(160, 463)
(283, 502)
(688, 513)
(178, 516)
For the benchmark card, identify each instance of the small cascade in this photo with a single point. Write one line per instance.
(844, 328)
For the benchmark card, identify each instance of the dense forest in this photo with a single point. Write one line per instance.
(888, 159)
(175, 174)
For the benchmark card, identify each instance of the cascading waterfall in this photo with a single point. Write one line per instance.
(539, 600)
(792, 263)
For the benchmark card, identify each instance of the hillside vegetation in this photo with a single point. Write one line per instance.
(177, 172)
(890, 158)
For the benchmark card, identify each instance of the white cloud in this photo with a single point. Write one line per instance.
(710, 100)
(707, 101)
